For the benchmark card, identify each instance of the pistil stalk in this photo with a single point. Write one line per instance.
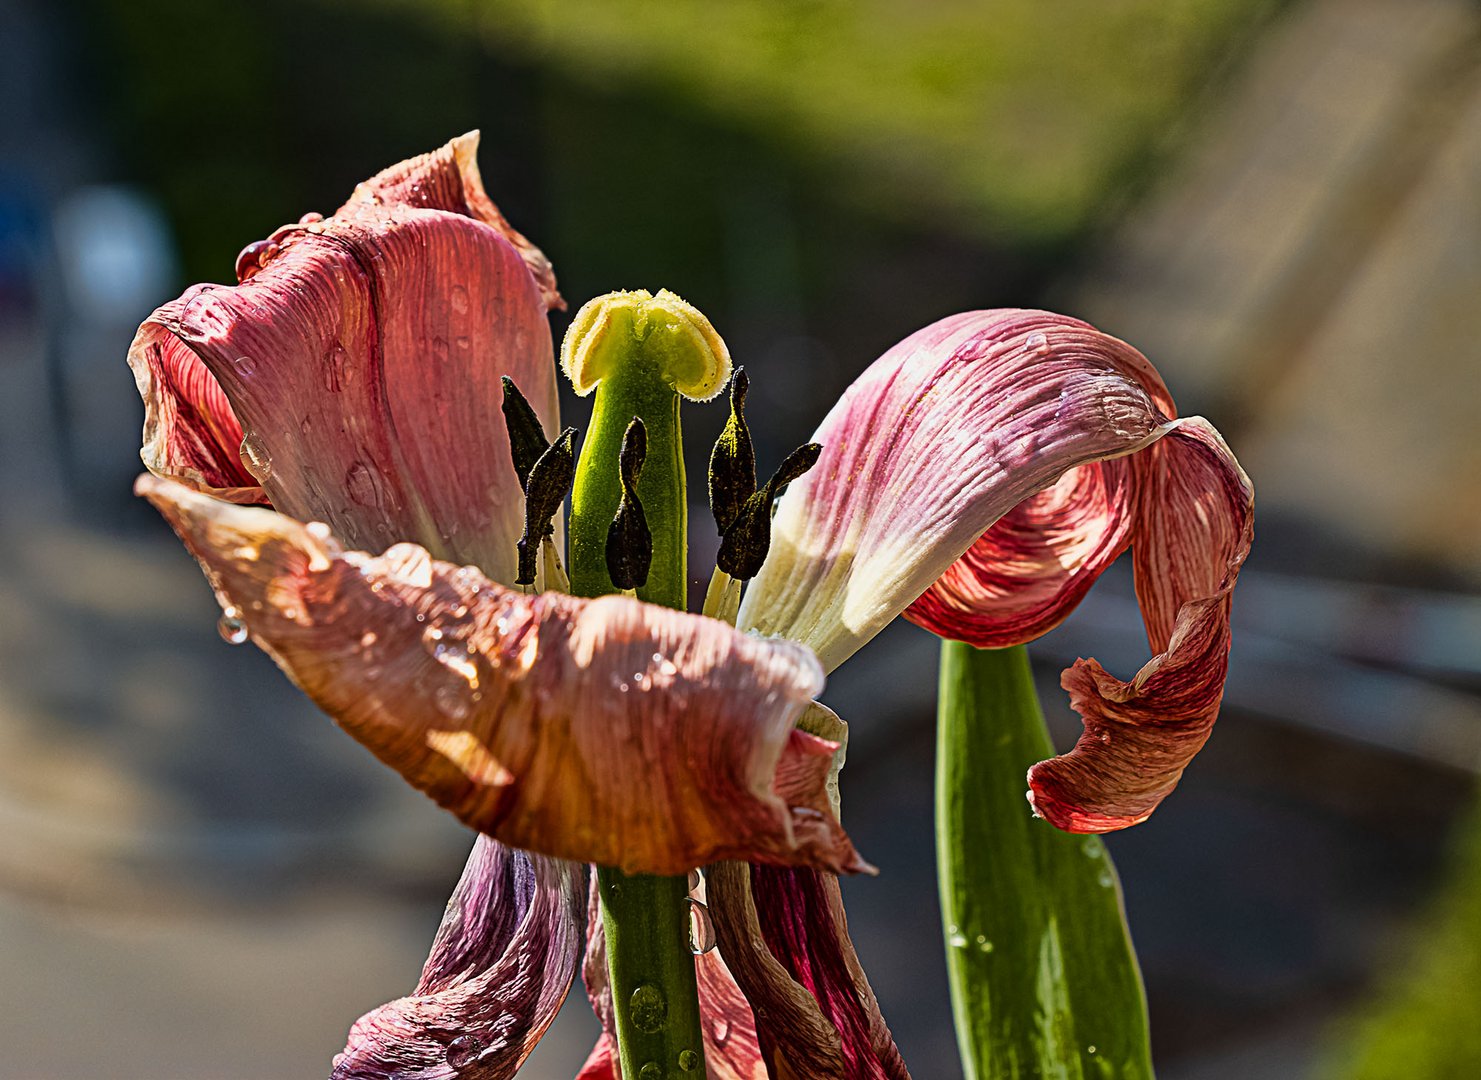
(630, 346)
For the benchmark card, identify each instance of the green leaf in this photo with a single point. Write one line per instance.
(1044, 980)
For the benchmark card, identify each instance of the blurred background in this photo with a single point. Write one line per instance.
(1276, 201)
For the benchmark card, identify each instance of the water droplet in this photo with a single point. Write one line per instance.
(245, 366)
(231, 628)
(648, 1008)
(1106, 881)
(1039, 343)
(336, 367)
(721, 1031)
(463, 1050)
(957, 941)
(459, 300)
(983, 945)
(451, 703)
(366, 485)
(688, 1060)
(311, 217)
(665, 666)
(368, 639)
(254, 257)
(318, 530)
(701, 929)
(255, 458)
(372, 673)
(464, 343)
(650, 1071)
(1090, 1049)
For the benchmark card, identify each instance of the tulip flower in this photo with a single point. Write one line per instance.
(977, 478)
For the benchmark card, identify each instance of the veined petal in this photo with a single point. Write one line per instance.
(785, 938)
(497, 975)
(607, 731)
(944, 434)
(448, 179)
(363, 364)
(1194, 525)
(979, 477)
(190, 432)
(1027, 572)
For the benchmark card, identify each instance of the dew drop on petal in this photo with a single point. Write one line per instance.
(688, 1060)
(459, 299)
(255, 458)
(462, 1050)
(701, 929)
(1039, 343)
(650, 1071)
(311, 217)
(245, 366)
(231, 628)
(721, 1031)
(365, 484)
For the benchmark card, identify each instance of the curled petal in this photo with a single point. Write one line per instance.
(190, 432)
(979, 477)
(1193, 530)
(1026, 574)
(785, 938)
(497, 975)
(607, 731)
(938, 439)
(448, 179)
(362, 362)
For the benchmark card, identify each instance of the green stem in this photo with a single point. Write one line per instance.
(1044, 980)
(646, 918)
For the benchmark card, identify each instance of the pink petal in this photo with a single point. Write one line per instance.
(1193, 530)
(944, 434)
(448, 179)
(1027, 572)
(979, 477)
(363, 363)
(498, 973)
(606, 731)
(190, 432)
(785, 938)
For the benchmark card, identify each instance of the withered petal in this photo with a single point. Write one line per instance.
(944, 434)
(785, 939)
(362, 364)
(190, 431)
(1195, 523)
(1025, 575)
(607, 731)
(497, 975)
(448, 178)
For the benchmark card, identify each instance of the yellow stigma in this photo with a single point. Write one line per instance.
(673, 334)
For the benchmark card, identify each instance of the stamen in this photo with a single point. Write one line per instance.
(733, 461)
(629, 541)
(527, 439)
(548, 484)
(746, 542)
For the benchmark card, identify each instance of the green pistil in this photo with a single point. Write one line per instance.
(643, 351)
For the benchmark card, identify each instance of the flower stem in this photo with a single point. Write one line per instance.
(1044, 980)
(646, 918)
